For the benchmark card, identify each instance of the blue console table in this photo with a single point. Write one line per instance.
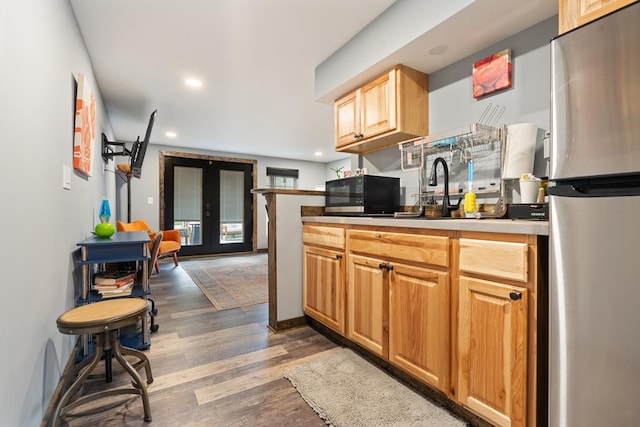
(121, 247)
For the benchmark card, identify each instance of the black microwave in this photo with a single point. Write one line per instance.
(362, 195)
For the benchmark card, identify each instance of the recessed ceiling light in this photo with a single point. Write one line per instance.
(438, 50)
(318, 153)
(171, 134)
(193, 82)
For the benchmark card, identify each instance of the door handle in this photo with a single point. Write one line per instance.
(515, 295)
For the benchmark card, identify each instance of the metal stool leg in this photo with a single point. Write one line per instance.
(113, 337)
(143, 360)
(78, 382)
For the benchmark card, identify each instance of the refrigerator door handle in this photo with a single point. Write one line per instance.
(567, 190)
(590, 188)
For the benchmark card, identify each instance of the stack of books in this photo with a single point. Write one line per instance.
(114, 283)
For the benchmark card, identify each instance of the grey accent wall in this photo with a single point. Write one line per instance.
(451, 105)
(401, 23)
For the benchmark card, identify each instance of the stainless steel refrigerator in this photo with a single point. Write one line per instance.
(594, 295)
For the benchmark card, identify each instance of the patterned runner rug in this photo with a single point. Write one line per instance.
(347, 391)
(231, 281)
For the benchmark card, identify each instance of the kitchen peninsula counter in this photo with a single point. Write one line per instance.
(490, 225)
(284, 213)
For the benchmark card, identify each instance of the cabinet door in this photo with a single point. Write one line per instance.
(574, 13)
(367, 299)
(347, 119)
(324, 286)
(492, 344)
(419, 323)
(378, 105)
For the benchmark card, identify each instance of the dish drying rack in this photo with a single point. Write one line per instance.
(474, 141)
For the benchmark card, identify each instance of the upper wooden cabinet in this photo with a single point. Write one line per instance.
(389, 109)
(574, 13)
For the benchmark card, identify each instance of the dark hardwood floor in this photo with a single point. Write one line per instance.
(211, 368)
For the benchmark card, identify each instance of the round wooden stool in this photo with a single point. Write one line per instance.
(104, 319)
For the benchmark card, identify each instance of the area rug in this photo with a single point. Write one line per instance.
(231, 281)
(347, 391)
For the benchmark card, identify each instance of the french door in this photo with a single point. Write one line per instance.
(210, 202)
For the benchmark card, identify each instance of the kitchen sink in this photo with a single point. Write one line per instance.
(408, 215)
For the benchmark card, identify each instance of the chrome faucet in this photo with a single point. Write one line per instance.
(447, 207)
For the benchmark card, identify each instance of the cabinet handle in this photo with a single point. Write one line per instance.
(358, 135)
(338, 256)
(515, 295)
(385, 266)
(382, 266)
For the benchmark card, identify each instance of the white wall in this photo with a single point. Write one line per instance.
(41, 52)
(312, 175)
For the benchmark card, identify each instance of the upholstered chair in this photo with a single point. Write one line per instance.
(169, 246)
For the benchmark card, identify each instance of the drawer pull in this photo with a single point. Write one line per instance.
(515, 295)
(385, 266)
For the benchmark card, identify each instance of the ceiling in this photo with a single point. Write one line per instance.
(256, 60)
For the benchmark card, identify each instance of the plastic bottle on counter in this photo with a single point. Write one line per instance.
(470, 205)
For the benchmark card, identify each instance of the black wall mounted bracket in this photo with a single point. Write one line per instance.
(109, 149)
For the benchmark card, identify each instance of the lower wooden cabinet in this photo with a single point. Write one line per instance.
(367, 304)
(323, 275)
(459, 311)
(398, 291)
(323, 295)
(492, 350)
(419, 333)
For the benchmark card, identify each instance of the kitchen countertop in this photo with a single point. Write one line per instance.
(518, 226)
(288, 191)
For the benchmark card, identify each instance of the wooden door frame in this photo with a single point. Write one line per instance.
(254, 176)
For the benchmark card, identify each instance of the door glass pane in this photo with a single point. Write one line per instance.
(187, 204)
(231, 206)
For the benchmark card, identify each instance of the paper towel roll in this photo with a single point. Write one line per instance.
(520, 150)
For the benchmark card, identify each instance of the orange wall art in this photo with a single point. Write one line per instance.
(85, 127)
(492, 74)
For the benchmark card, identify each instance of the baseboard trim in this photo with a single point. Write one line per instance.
(281, 325)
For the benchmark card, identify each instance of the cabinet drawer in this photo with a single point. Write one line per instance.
(332, 237)
(506, 260)
(432, 250)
